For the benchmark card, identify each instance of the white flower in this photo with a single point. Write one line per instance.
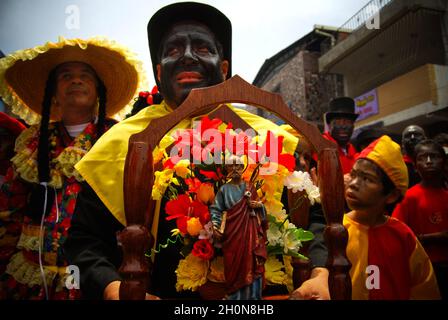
(274, 235)
(297, 181)
(313, 194)
(280, 215)
(291, 243)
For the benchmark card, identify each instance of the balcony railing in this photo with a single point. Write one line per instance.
(363, 15)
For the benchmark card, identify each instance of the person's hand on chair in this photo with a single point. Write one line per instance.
(315, 288)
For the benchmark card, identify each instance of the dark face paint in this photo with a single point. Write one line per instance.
(412, 135)
(341, 130)
(189, 59)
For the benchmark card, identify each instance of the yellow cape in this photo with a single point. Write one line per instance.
(103, 166)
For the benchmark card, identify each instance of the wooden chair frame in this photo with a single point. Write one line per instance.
(135, 239)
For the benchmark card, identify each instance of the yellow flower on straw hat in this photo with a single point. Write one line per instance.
(23, 74)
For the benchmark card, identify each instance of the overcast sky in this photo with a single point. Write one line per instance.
(261, 28)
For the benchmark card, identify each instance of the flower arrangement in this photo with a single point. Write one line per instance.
(192, 174)
(62, 158)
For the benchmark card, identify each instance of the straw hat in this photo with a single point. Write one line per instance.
(23, 74)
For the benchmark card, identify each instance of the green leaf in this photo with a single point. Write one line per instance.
(297, 255)
(274, 250)
(303, 235)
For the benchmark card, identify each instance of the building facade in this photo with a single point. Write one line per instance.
(395, 64)
(294, 74)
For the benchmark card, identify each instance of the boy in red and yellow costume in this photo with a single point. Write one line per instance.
(388, 261)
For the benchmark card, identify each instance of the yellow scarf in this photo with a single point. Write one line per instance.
(103, 166)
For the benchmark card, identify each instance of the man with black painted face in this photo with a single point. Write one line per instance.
(410, 137)
(190, 58)
(341, 121)
(190, 47)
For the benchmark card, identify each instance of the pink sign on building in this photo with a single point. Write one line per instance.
(366, 105)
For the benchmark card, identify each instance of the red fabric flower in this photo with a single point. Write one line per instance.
(200, 211)
(154, 90)
(143, 94)
(178, 208)
(207, 124)
(193, 184)
(90, 129)
(73, 189)
(182, 224)
(71, 206)
(203, 249)
(183, 207)
(213, 175)
(168, 164)
(287, 160)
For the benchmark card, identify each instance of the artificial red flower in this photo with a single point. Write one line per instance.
(154, 90)
(183, 206)
(178, 208)
(71, 206)
(213, 175)
(200, 211)
(288, 161)
(193, 184)
(143, 94)
(182, 224)
(207, 124)
(73, 188)
(90, 129)
(168, 164)
(203, 249)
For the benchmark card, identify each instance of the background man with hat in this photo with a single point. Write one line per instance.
(341, 122)
(190, 46)
(66, 91)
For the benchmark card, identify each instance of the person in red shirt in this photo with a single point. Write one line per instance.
(425, 208)
(341, 121)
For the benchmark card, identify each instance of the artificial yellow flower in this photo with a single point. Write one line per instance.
(182, 168)
(161, 182)
(194, 226)
(191, 273)
(289, 269)
(274, 273)
(273, 205)
(158, 155)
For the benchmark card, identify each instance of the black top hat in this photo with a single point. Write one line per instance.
(166, 17)
(342, 107)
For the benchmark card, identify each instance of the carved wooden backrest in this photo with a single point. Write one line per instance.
(139, 178)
